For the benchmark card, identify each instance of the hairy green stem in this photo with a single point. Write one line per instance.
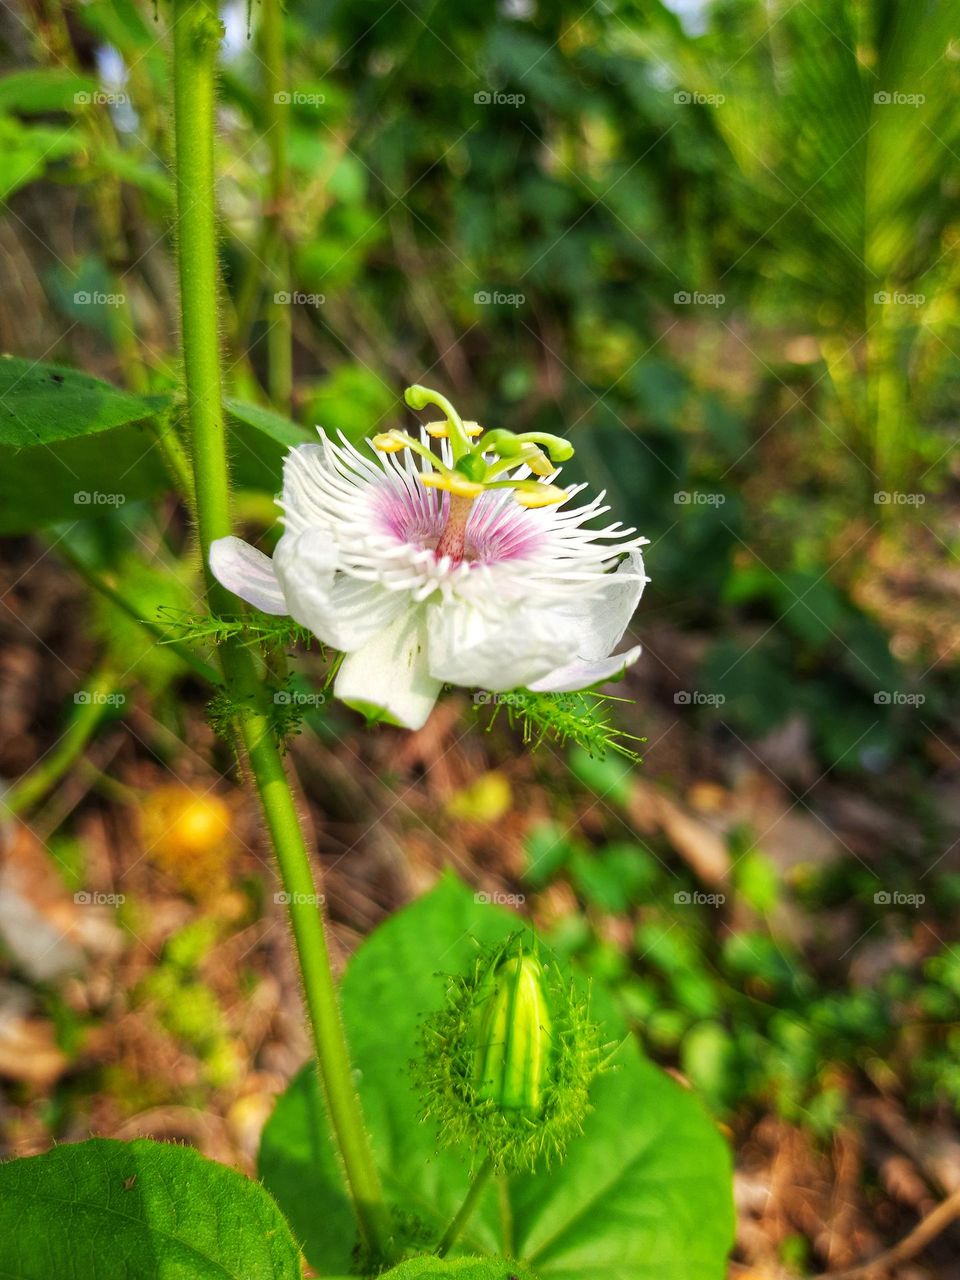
(196, 37)
(465, 1212)
(276, 113)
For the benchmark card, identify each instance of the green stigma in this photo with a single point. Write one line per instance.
(481, 459)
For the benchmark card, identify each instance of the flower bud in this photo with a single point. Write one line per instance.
(509, 1059)
(513, 1044)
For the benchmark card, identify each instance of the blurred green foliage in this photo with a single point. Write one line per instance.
(755, 1020)
(719, 252)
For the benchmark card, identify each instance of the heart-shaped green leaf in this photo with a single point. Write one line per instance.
(73, 446)
(138, 1211)
(645, 1191)
(458, 1269)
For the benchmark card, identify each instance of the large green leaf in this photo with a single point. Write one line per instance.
(459, 1268)
(260, 439)
(644, 1192)
(107, 1210)
(70, 445)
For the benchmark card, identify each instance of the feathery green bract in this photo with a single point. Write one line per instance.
(508, 1061)
(580, 718)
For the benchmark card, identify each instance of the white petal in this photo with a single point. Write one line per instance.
(496, 647)
(342, 611)
(388, 677)
(602, 618)
(248, 573)
(581, 675)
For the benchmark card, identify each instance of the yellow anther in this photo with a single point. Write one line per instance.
(390, 442)
(539, 463)
(441, 430)
(455, 484)
(540, 495)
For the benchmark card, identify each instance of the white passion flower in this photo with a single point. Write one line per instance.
(470, 567)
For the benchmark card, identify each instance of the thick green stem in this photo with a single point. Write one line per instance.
(196, 37)
(465, 1212)
(276, 113)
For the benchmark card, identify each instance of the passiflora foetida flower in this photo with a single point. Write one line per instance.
(449, 557)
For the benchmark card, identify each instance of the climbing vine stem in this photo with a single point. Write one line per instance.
(197, 34)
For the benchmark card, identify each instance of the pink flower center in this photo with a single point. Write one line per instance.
(483, 530)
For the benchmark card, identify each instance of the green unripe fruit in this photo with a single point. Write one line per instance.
(514, 1049)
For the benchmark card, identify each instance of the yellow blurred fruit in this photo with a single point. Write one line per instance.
(189, 834)
(485, 800)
